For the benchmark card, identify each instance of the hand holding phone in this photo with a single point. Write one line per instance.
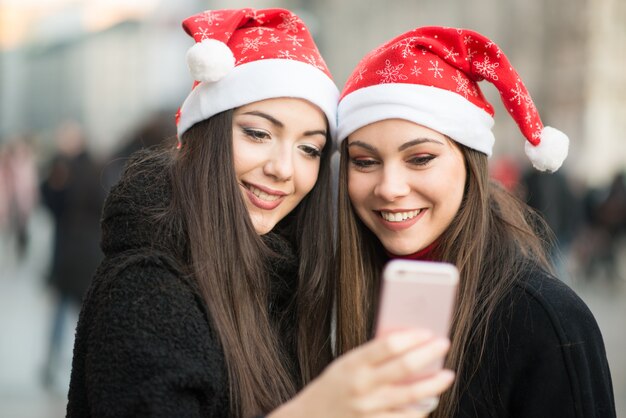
(419, 295)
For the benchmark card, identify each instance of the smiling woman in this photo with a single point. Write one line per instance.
(211, 245)
(216, 294)
(401, 173)
(414, 184)
(277, 147)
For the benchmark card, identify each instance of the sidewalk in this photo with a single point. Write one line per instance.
(25, 310)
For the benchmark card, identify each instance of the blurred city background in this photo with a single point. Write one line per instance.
(84, 83)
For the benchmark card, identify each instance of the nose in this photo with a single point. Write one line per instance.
(279, 165)
(392, 184)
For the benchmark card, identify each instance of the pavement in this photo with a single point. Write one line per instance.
(26, 308)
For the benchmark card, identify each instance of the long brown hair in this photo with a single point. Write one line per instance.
(492, 239)
(227, 259)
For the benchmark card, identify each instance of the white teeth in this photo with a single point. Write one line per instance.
(399, 216)
(262, 195)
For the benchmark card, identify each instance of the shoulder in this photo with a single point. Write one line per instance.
(543, 315)
(143, 181)
(144, 301)
(136, 285)
(144, 341)
(541, 300)
(549, 351)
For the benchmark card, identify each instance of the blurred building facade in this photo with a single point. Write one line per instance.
(570, 53)
(109, 74)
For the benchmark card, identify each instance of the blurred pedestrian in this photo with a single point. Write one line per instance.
(598, 244)
(18, 190)
(551, 195)
(72, 193)
(6, 188)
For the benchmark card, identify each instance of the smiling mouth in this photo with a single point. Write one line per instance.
(261, 194)
(399, 216)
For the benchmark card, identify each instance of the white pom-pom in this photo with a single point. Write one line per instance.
(210, 60)
(551, 151)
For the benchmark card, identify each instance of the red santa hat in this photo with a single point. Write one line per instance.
(430, 76)
(246, 55)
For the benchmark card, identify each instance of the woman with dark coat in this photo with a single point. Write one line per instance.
(214, 298)
(416, 133)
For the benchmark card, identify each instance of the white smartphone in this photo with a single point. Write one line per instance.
(417, 295)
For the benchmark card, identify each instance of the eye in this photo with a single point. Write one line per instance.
(421, 160)
(257, 135)
(361, 163)
(311, 151)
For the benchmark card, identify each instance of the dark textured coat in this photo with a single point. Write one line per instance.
(545, 358)
(144, 345)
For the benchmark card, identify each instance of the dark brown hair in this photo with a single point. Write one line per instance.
(227, 259)
(492, 239)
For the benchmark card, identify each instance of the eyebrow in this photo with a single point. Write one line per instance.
(402, 147)
(279, 124)
(417, 141)
(271, 118)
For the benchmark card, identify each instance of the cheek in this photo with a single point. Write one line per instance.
(360, 190)
(456, 188)
(355, 188)
(241, 157)
(308, 174)
(461, 175)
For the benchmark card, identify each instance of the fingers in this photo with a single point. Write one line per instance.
(362, 363)
(416, 399)
(376, 378)
(383, 349)
(426, 405)
(413, 362)
(410, 364)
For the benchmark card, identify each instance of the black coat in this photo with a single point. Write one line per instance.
(545, 358)
(144, 344)
(74, 196)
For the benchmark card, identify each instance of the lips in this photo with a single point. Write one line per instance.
(399, 216)
(397, 220)
(263, 197)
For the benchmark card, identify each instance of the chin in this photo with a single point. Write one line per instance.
(263, 229)
(262, 223)
(403, 248)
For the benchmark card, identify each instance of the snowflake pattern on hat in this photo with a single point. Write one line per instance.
(455, 60)
(246, 55)
(273, 33)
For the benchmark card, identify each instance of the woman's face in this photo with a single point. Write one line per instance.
(277, 144)
(405, 182)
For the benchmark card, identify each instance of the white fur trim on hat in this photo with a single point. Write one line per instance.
(438, 109)
(551, 151)
(210, 60)
(260, 80)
